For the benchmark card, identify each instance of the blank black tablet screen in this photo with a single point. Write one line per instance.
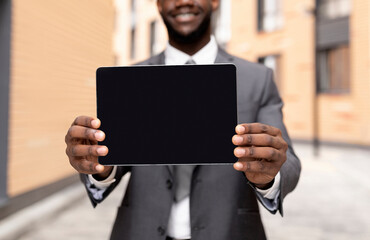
(167, 114)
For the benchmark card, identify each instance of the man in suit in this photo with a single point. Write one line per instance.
(201, 202)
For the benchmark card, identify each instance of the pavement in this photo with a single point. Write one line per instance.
(331, 201)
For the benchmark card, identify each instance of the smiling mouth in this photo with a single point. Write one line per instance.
(183, 17)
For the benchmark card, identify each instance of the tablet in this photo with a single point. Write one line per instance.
(183, 114)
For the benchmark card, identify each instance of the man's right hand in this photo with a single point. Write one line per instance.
(82, 146)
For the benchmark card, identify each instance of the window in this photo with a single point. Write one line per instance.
(333, 9)
(273, 62)
(153, 38)
(5, 32)
(270, 16)
(132, 40)
(133, 6)
(333, 70)
(133, 30)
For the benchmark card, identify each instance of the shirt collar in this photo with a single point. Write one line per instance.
(206, 55)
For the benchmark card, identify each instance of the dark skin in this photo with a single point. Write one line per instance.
(185, 17)
(82, 149)
(260, 149)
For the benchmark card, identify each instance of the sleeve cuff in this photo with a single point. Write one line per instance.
(273, 191)
(104, 184)
(269, 198)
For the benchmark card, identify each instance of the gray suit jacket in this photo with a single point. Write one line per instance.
(223, 204)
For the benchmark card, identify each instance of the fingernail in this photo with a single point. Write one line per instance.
(99, 168)
(240, 129)
(238, 166)
(99, 135)
(102, 150)
(95, 123)
(238, 139)
(239, 152)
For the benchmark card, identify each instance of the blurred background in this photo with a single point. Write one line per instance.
(50, 50)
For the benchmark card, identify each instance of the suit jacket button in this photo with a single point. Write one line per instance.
(169, 184)
(161, 231)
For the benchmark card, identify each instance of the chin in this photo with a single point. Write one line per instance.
(191, 36)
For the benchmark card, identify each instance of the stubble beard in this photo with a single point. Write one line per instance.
(192, 37)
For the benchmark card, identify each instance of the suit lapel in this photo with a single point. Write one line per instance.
(157, 60)
(170, 169)
(223, 57)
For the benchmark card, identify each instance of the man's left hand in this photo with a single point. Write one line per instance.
(261, 151)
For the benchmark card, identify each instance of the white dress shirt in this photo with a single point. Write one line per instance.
(179, 221)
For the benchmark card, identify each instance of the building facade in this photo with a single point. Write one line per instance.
(50, 50)
(320, 53)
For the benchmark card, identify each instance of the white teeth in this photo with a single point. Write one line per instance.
(185, 15)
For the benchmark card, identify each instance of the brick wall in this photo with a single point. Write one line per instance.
(346, 118)
(294, 42)
(56, 47)
(343, 118)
